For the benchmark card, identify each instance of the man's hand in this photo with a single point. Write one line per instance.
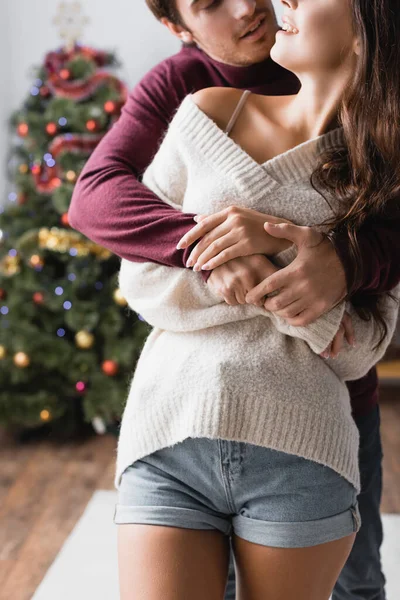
(310, 286)
(235, 278)
(346, 332)
(228, 234)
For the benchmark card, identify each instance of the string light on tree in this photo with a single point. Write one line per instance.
(70, 176)
(23, 129)
(110, 107)
(23, 169)
(45, 415)
(3, 352)
(21, 360)
(84, 340)
(64, 220)
(118, 298)
(51, 128)
(38, 298)
(110, 368)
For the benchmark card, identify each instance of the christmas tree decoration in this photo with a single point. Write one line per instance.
(64, 313)
(23, 129)
(71, 176)
(118, 298)
(65, 74)
(38, 298)
(80, 387)
(36, 261)
(45, 415)
(110, 368)
(99, 426)
(84, 340)
(92, 125)
(64, 220)
(21, 360)
(51, 128)
(110, 107)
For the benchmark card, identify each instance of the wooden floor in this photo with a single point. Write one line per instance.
(45, 487)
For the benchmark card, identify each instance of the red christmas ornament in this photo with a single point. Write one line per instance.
(44, 91)
(36, 169)
(65, 74)
(22, 198)
(91, 125)
(51, 128)
(110, 368)
(64, 220)
(110, 107)
(3, 294)
(38, 298)
(81, 387)
(23, 129)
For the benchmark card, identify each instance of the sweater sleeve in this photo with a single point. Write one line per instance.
(110, 205)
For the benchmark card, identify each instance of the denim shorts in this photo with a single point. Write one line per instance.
(264, 496)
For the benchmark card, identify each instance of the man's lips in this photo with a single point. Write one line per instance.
(254, 25)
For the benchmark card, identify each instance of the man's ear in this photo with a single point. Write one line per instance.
(178, 31)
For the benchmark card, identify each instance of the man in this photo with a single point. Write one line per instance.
(227, 43)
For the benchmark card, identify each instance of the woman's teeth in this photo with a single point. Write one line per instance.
(289, 28)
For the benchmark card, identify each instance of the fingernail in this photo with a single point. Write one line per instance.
(189, 263)
(196, 267)
(196, 219)
(205, 267)
(179, 246)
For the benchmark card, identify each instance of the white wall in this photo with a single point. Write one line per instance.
(27, 33)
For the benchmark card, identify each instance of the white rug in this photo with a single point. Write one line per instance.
(86, 566)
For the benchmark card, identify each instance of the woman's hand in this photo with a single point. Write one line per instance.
(228, 234)
(232, 280)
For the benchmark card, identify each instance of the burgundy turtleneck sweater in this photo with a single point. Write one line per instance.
(111, 206)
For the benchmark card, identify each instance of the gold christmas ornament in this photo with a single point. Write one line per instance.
(3, 352)
(10, 265)
(84, 340)
(23, 169)
(36, 261)
(118, 298)
(71, 176)
(62, 240)
(45, 415)
(22, 360)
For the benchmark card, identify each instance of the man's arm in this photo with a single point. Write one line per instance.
(110, 205)
(380, 252)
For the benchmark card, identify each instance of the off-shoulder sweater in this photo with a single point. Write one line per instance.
(240, 373)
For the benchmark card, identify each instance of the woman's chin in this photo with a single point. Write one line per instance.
(279, 57)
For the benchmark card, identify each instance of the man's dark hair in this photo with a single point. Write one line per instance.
(165, 9)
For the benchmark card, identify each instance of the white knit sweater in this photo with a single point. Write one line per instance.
(238, 372)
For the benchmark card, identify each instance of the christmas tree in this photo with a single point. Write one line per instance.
(68, 343)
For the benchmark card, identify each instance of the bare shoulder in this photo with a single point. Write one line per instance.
(218, 103)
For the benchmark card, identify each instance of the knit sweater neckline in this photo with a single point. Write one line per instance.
(228, 157)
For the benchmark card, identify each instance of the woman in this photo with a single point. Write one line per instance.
(234, 423)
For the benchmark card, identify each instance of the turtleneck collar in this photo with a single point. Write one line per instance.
(251, 76)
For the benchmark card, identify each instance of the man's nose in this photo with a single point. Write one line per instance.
(244, 8)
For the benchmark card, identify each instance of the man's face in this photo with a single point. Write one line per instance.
(221, 28)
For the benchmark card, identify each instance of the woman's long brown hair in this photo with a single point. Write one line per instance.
(365, 175)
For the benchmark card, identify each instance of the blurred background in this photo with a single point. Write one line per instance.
(57, 539)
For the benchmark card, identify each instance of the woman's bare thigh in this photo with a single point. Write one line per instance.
(265, 573)
(171, 563)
